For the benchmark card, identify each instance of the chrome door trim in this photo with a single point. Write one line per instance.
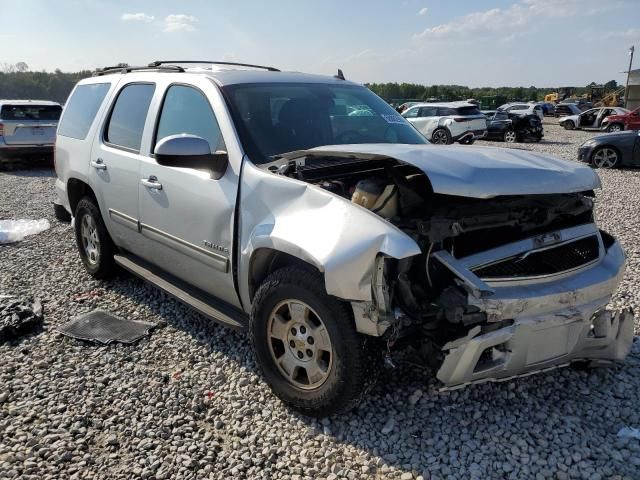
(123, 219)
(212, 259)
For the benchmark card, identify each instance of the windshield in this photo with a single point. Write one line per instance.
(277, 118)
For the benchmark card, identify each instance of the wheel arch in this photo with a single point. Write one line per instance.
(76, 189)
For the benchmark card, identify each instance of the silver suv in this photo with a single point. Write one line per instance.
(254, 196)
(27, 128)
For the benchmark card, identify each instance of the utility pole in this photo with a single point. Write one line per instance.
(626, 88)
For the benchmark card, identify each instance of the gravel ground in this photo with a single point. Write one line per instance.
(187, 402)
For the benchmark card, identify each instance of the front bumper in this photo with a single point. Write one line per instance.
(553, 324)
(584, 154)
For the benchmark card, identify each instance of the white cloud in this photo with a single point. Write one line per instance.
(179, 23)
(137, 17)
(423, 11)
(519, 18)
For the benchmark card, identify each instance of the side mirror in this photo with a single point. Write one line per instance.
(190, 151)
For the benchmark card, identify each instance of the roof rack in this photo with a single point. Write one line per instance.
(158, 63)
(106, 70)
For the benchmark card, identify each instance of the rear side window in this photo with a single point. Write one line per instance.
(128, 116)
(187, 110)
(468, 111)
(446, 111)
(81, 110)
(30, 112)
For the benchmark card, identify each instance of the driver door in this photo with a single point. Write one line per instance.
(185, 214)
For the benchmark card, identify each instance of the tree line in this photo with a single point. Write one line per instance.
(394, 92)
(17, 81)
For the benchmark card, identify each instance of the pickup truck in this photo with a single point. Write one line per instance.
(336, 240)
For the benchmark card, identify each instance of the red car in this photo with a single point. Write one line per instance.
(617, 123)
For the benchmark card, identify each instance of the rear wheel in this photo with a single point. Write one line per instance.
(306, 343)
(605, 157)
(94, 243)
(510, 136)
(569, 125)
(467, 141)
(441, 136)
(615, 127)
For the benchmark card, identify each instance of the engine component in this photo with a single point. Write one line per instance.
(378, 196)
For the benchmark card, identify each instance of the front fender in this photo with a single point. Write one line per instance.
(339, 238)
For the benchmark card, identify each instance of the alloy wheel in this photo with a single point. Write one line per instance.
(440, 137)
(510, 136)
(90, 239)
(299, 344)
(605, 158)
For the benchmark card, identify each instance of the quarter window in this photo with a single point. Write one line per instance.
(187, 111)
(128, 117)
(81, 110)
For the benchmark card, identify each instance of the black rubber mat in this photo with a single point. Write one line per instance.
(103, 327)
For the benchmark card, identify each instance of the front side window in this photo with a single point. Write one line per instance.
(126, 123)
(81, 109)
(411, 113)
(428, 111)
(276, 118)
(186, 110)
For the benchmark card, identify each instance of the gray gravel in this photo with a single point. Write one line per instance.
(187, 402)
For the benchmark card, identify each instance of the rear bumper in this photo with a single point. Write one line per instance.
(553, 324)
(16, 151)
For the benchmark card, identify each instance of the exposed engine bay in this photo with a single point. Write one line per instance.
(425, 298)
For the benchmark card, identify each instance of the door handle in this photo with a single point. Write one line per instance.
(98, 164)
(151, 182)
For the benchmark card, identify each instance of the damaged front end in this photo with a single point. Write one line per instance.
(505, 286)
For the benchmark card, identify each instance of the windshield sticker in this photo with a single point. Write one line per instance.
(393, 118)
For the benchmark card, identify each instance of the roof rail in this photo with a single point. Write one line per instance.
(106, 70)
(158, 63)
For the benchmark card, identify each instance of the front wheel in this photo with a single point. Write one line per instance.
(94, 243)
(510, 136)
(441, 136)
(605, 157)
(308, 348)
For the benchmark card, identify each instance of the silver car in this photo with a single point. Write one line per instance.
(254, 196)
(28, 128)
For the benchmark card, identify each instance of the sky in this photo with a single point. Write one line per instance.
(464, 42)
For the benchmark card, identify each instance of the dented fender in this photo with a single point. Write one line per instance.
(339, 238)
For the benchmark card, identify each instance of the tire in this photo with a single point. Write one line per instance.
(94, 243)
(615, 127)
(510, 136)
(441, 136)
(569, 125)
(605, 157)
(345, 368)
(471, 141)
(61, 213)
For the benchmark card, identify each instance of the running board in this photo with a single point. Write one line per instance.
(205, 304)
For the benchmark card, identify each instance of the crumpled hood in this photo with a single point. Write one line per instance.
(477, 172)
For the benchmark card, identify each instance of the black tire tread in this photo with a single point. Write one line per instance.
(363, 358)
(107, 266)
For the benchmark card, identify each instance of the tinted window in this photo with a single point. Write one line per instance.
(428, 111)
(446, 111)
(186, 110)
(283, 117)
(467, 111)
(411, 113)
(30, 112)
(501, 116)
(81, 109)
(128, 116)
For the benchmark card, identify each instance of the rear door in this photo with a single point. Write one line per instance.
(115, 162)
(29, 123)
(186, 216)
(633, 120)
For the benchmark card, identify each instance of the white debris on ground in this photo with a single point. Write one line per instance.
(188, 402)
(12, 231)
